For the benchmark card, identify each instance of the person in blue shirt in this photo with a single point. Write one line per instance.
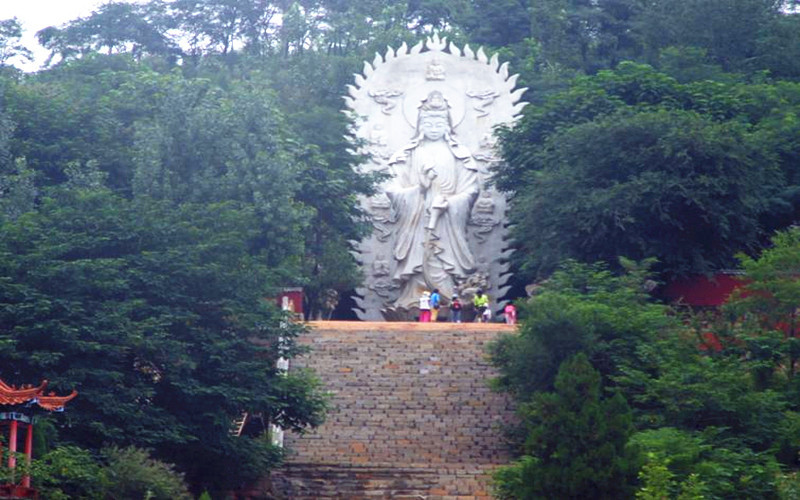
(436, 303)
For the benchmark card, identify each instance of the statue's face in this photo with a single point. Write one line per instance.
(434, 127)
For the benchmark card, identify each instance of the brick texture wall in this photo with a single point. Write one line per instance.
(411, 414)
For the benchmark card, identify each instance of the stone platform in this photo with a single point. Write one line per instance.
(411, 414)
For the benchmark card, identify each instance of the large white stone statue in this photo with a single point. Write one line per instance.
(426, 119)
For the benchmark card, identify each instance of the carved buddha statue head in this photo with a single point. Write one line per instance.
(434, 122)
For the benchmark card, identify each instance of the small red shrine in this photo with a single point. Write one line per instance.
(17, 405)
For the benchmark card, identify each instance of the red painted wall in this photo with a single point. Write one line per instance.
(702, 291)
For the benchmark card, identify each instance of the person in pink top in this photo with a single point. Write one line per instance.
(511, 314)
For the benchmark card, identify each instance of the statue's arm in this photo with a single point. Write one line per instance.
(406, 179)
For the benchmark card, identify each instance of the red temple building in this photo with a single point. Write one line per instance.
(17, 406)
(703, 291)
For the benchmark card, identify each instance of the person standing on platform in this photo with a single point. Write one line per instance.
(436, 303)
(455, 309)
(481, 303)
(425, 307)
(511, 314)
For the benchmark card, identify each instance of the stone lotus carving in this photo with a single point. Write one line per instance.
(437, 222)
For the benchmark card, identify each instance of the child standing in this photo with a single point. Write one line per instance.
(455, 310)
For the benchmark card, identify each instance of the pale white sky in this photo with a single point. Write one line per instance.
(37, 14)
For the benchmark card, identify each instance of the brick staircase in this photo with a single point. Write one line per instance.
(412, 416)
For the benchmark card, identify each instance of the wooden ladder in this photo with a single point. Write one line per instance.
(238, 425)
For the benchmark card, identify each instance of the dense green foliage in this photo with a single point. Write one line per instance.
(171, 137)
(632, 162)
(580, 309)
(157, 315)
(575, 444)
(686, 153)
(706, 421)
(72, 473)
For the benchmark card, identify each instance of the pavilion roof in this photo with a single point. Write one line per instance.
(11, 396)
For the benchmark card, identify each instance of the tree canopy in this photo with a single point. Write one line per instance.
(631, 162)
(158, 316)
(595, 359)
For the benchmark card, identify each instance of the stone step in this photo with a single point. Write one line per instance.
(412, 414)
(308, 481)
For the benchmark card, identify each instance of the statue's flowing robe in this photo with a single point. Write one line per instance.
(432, 258)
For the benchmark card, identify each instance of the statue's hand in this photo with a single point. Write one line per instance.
(440, 202)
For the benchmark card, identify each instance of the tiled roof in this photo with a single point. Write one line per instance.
(11, 396)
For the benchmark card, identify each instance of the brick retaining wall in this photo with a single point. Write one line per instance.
(411, 413)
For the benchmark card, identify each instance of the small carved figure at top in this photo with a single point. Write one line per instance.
(435, 71)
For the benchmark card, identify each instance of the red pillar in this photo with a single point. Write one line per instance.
(26, 479)
(12, 445)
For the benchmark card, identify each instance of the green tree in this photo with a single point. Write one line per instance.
(68, 472)
(575, 444)
(704, 419)
(210, 145)
(778, 46)
(113, 28)
(17, 191)
(10, 46)
(581, 308)
(497, 23)
(641, 185)
(772, 285)
(584, 35)
(703, 412)
(131, 473)
(764, 312)
(157, 316)
(684, 464)
(730, 31)
(633, 163)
